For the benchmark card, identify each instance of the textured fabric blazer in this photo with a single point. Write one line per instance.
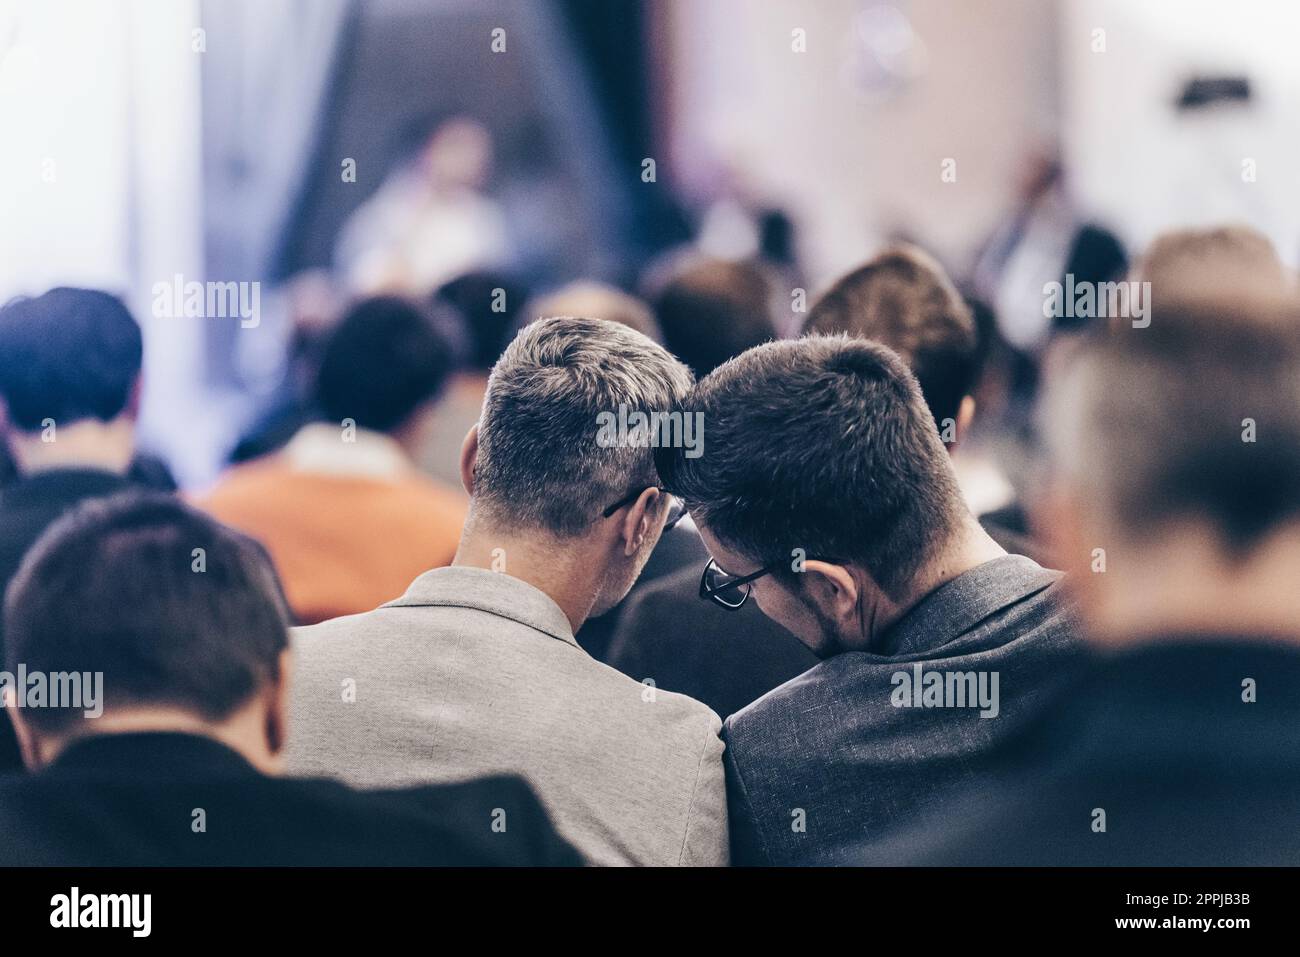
(475, 673)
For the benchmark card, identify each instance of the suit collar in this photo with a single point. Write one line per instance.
(153, 754)
(462, 586)
(957, 606)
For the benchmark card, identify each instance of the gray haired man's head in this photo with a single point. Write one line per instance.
(539, 465)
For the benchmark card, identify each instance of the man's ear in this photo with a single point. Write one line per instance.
(638, 520)
(468, 456)
(833, 588)
(277, 711)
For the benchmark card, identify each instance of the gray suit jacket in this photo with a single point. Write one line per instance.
(824, 768)
(472, 673)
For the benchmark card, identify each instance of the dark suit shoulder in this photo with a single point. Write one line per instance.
(93, 819)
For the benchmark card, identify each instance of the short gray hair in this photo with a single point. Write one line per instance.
(539, 463)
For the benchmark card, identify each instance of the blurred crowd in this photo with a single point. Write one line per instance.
(1022, 567)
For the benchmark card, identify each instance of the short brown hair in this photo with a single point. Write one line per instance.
(1184, 263)
(904, 299)
(821, 443)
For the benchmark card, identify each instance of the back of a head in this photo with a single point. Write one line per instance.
(1187, 263)
(172, 608)
(1194, 418)
(710, 310)
(488, 303)
(383, 361)
(67, 355)
(540, 465)
(596, 300)
(825, 444)
(903, 299)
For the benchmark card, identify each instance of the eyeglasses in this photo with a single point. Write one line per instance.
(676, 510)
(732, 591)
(729, 591)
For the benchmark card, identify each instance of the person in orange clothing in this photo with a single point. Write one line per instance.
(347, 517)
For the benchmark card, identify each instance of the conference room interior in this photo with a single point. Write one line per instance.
(832, 433)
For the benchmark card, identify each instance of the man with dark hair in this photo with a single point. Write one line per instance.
(1175, 489)
(69, 395)
(825, 490)
(711, 309)
(148, 673)
(903, 299)
(475, 670)
(344, 512)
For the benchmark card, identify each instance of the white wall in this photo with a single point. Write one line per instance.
(850, 167)
(1148, 168)
(100, 175)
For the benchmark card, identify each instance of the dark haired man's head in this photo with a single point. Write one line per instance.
(1176, 453)
(383, 367)
(904, 299)
(710, 310)
(489, 305)
(822, 463)
(69, 379)
(182, 617)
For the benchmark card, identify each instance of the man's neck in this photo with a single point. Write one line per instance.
(564, 571)
(1186, 587)
(971, 548)
(107, 446)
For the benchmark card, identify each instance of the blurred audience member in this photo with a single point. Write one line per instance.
(1042, 240)
(487, 306)
(314, 309)
(428, 222)
(344, 512)
(827, 493)
(475, 670)
(1176, 452)
(1203, 262)
(711, 309)
(69, 394)
(179, 718)
(595, 300)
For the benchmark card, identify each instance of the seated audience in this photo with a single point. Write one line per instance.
(69, 395)
(345, 514)
(475, 670)
(903, 299)
(1176, 492)
(825, 490)
(164, 747)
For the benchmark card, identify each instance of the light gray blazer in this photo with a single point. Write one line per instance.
(472, 672)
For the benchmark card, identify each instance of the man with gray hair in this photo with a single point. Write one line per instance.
(475, 670)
